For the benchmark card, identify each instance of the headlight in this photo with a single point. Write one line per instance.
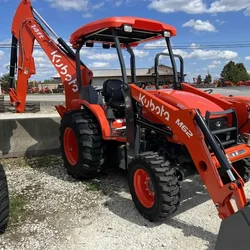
(218, 123)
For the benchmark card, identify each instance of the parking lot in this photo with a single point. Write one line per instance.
(50, 210)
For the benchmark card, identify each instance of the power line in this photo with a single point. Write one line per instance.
(155, 47)
(182, 48)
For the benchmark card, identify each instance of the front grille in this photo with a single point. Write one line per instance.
(220, 128)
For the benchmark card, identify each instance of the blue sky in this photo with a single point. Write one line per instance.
(198, 22)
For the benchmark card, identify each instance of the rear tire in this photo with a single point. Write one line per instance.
(82, 146)
(159, 203)
(4, 201)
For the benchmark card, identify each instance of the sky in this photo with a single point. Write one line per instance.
(198, 23)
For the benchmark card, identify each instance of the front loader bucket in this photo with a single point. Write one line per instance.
(234, 231)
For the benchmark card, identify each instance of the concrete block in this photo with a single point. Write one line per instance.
(29, 135)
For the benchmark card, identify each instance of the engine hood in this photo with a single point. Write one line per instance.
(185, 100)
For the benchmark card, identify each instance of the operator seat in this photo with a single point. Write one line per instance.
(112, 93)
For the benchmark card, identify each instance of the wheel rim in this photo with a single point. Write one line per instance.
(143, 188)
(70, 146)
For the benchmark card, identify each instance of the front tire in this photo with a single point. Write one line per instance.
(243, 169)
(4, 201)
(82, 146)
(154, 186)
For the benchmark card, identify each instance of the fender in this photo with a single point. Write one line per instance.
(98, 112)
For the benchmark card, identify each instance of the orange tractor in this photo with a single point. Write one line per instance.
(156, 135)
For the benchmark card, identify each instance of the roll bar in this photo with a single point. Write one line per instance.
(181, 78)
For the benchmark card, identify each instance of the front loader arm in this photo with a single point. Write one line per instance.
(25, 30)
(189, 128)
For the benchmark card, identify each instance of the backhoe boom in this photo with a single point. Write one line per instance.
(25, 30)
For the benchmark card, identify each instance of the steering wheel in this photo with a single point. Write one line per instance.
(141, 84)
(209, 91)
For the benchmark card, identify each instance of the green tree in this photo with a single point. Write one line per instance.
(234, 72)
(242, 72)
(5, 81)
(199, 79)
(208, 78)
(50, 81)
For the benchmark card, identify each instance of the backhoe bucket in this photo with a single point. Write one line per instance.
(234, 231)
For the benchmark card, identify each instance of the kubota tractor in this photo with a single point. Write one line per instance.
(4, 201)
(156, 135)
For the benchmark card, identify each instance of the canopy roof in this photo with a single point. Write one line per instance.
(143, 30)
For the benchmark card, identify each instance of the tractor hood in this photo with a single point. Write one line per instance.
(185, 100)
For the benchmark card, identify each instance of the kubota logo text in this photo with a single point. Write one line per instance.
(148, 103)
(56, 59)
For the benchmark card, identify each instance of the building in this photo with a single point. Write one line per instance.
(142, 74)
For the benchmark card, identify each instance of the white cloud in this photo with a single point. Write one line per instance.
(219, 21)
(200, 25)
(157, 44)
(180, 52)
(118, 3)
(1, 54)
(194, 46)
(229, 5)
(247, 58)
(211, 66)
(103, 56)
(140, 53)
(86, 51)
(99, 65)
(168, 6)
(44, 66)
(214, 64)
(213, 54)
(69, 5)
(98, 6)
(207, 54)
(199, 6)
(39, 53)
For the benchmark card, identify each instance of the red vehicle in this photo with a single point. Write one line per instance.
(243, 83)
(223, 83)
(151, 130)
(45, 90)
(33, 90)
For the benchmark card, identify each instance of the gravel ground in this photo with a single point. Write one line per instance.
(50, 210)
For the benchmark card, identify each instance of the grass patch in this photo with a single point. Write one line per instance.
(17, 203)
(93, 186)
(44, 161)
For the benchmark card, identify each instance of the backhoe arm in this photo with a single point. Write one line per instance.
(25, 30)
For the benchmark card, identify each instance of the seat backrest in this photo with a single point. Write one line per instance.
(115, 86)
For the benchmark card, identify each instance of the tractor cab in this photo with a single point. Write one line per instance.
(120, 33)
